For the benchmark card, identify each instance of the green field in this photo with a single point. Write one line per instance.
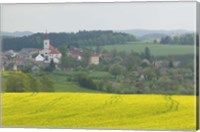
(61, 83)
(156, 49)
(90, 110)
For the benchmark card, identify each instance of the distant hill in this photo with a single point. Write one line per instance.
(17, 34)
(143, 34)
(152, 37)
(79, 39)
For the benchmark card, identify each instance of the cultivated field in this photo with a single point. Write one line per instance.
(156, 49)
(93, 110)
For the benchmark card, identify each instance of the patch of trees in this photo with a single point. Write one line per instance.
(79, 39)
(23, 82)
(138, 74)
(186, 39)
(85, 81)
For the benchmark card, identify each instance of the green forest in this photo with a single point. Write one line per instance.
(86, 38)
(79, 39)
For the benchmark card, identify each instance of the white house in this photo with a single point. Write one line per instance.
(39, 57)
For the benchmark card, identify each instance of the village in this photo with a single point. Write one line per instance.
(13, 60)
(102, 70)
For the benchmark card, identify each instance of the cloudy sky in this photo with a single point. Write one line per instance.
(100, 16)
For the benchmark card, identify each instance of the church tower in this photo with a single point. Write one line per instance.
(46, 41)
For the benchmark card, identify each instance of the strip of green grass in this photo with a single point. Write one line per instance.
(62, 85)
(156, 49)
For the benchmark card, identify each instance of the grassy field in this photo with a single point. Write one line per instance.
(156, 49)
(61, 83)
(90, 110)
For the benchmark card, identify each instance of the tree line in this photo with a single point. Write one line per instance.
(79, 39)
(185, 39)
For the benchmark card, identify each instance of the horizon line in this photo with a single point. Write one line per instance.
(100, 30)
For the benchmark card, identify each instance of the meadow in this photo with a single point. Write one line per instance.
(156, 49)
(61, 83)
(103, 111)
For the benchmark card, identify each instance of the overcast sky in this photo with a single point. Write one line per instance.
(100, 16)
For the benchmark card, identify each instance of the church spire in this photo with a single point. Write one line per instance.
(46, 35)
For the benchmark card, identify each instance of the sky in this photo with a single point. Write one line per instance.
(73, 17)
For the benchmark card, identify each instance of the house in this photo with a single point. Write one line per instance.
(76, 53)
(14, 67)
(94, 58)
(39, 57)
(145, 62)
(48, 52)
(176, 63)
(158, 63)
(11, 53)
(28, 52)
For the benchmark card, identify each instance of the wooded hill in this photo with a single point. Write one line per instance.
(185, 39)
(79, 39)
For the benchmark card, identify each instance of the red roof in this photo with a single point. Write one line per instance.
(53, 50)
(75, 52)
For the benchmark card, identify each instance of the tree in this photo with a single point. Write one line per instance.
(47, 84)
(171, 65)
(117, 69)
(64, 57)
(150, 74)
(14, 84)
(85, 59)
(51, 66)
(147, 53)
(18, 82)
(34, 84)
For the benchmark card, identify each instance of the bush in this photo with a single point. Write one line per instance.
(86, 82)
(22, 82)
(117, 69)
(18, 82)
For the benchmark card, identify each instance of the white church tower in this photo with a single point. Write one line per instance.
(46, 49)
(46, 42)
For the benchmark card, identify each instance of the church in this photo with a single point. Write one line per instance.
(48, 52)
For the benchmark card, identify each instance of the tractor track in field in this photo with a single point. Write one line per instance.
(171, 105)
(47, 106)
(108, 103)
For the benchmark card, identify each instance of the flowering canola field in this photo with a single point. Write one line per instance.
(97, 110)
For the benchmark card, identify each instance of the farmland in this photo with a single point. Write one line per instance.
(93, 110)
(156, 49)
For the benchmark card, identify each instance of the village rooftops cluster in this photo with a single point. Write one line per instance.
(33, 56)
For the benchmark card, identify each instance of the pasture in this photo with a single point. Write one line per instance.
(103, 111)
(156, 49)
(62, 84)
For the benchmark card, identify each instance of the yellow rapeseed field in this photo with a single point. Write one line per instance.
(88, 110)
